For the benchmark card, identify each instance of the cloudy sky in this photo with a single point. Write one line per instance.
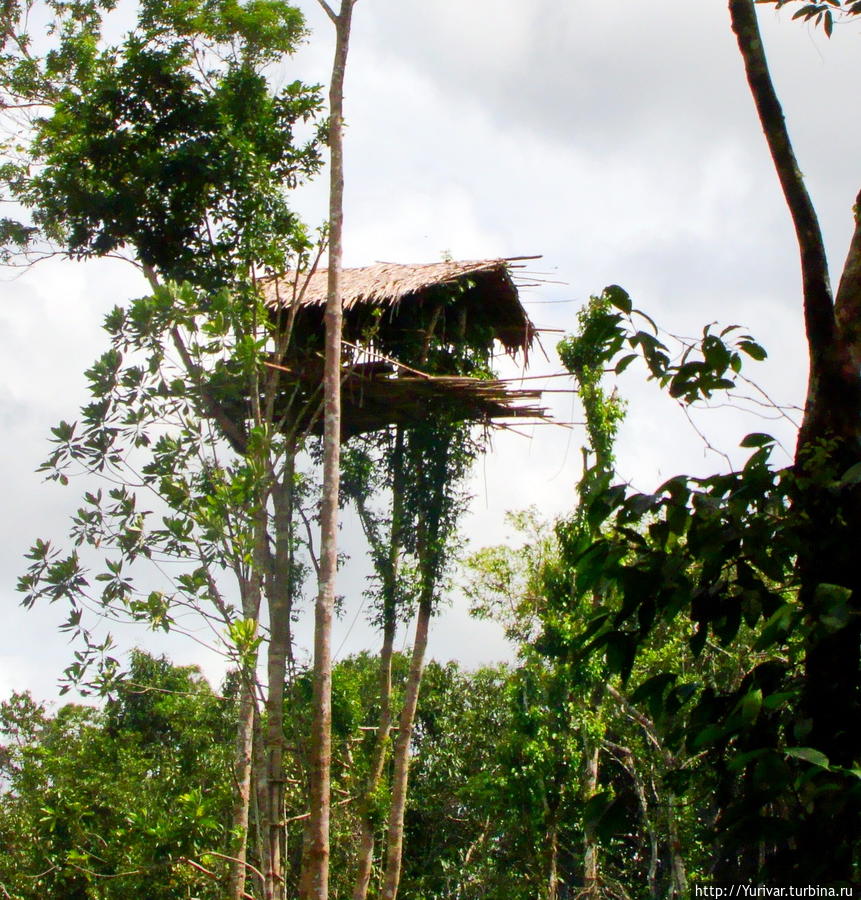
(616, 140)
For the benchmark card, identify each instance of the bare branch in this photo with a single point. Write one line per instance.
(328, 10)
(309, 532)
(231, 431)
(209, 872)
(247, 865)
(643, 721)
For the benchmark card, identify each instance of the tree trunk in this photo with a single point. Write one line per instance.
(828, 509)
(552, 880)
(315, 880)
(366, 819)
(280, 600)
(400, 776)
(591, 886)
(242, 788)
(261, 797)
(390, 596)
(251, 591)
(625, 757)
(832, 422)
(678, 874)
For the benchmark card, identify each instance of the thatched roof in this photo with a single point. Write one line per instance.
(489, 293)
(392, 315)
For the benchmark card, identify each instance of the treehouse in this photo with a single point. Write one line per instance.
(418, 342)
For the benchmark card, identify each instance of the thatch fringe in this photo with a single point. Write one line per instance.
(374, 395)
(381, 284)
(389, 284)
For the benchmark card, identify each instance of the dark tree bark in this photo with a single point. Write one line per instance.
(828, 510)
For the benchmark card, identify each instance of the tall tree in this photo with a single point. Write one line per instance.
(826, 494)
(722, 559)
(367, 475)
(437, 455)
(170, 147)
(315, 883)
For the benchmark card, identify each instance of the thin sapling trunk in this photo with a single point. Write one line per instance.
(390, 576)
(315, 880)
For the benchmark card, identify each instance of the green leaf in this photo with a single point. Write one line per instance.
(637, 505)
(596, 810)
(698, 639)
(649, 319)
(624, 362)
(621, 650)
(619, 298)
(757, 439)
(657, 684)
(64, 432)
(834, 602)
(775, 701)
(776, 628)
(651, 691)
(808, 754)
(594, 625)
(852, 475)
(738, 762)
(707, 735)
(753, 350)
(750, 706)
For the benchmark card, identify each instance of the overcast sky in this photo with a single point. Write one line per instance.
(617, 140)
